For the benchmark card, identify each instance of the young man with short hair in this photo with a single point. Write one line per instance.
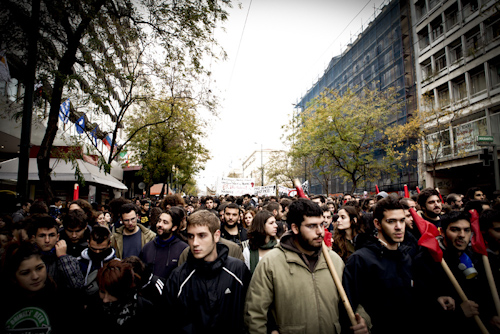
(379, 275)
(144, 213)
(431, 205)
(207, 293)
(231, 229)
(75, 231)
(63, 268)
(129, 239)
(441, 299)
(292, 288)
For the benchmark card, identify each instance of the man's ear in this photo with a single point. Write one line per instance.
(174, 228)
(217, 236)
(295, 229)
(377, 224)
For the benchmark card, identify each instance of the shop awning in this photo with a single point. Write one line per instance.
(61, 171)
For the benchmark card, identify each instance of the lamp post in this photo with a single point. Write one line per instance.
(261, 165)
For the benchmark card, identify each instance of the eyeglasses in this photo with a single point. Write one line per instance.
(315, 226)
(131, 220)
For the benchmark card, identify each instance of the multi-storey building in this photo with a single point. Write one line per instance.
(381, 57)
(457, 48)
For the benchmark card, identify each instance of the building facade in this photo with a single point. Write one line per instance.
(381, 57)
(457, 48)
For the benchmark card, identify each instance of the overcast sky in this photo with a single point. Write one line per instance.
(284, 47)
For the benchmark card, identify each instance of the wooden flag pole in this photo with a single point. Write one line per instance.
(462, 295)
(338, 283)
(491, 282)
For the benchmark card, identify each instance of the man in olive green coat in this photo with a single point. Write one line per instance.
(292, 290)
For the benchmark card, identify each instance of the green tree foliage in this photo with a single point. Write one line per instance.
(343, 134)
(172, 150)
(102, 50)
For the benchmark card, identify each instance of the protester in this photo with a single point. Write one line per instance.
(231, 229)
(430, 205)
(248, 218)
(379, 275)
(297, 265)
(75, 231)
(346, 229)
(161, 254)
(261, 238)
(206, 294)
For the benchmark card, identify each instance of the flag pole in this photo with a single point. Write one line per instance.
(462, 295)
(491, 282)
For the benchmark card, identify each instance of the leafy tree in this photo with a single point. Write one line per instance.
(343, 134)
(283, 169)
(171, 150)
(86, 47)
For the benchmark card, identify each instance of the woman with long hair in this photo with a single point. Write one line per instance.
(248, 218)
(261, 238)
(346, 229)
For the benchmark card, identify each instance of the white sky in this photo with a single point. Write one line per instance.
(285, 47)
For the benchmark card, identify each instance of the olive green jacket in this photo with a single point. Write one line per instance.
(301, 301)
(117, 239)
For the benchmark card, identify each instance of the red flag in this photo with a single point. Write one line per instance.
(441, 197)
(477, 241)
(300, 192)
(376, 189)
(418, 190)
(429, 233)
(76, 191)
(328, 238)
(407, 193)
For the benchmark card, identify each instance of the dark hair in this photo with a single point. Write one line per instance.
(453, 216)
(487, 218)
(39, 207)
(177, 213)
(366, 202)
(100, 233)
(115, 206)
(155, 216)
(257, 233)
(425, 194)
(84, 205)
(321, 198)
(471, 191)
(36, 222)
(75, 219)
(204, 218)
(475, 204)
(271, 206)
(172, 200)
(339, 236)
(386, 204)
(144, 201)
(15, 254)
(231, 206)
(452, 198)
(301, 208)
(128, 208)
(285, 202)
(117, 278)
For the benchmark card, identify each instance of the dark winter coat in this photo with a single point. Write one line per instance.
(162, 257)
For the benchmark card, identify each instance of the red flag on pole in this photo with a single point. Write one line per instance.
(328, 238)
(441, 197)
(76, 191)
(407, 193)
(376, 189)
(418, 190)
(429, 233)
(477, 241)
(300, 191)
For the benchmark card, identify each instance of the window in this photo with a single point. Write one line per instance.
(492, 28)
(455, 50)
(426, 69)
(459, 88)
(423, 38)
(451, 17)
(433, 3)
(494, 65)
(420, 8)
(468, 8)
(478, 81)
(437, 28)
(440, 60)
(444, 96)
(473, 41)
(464, 135)
(438, 145)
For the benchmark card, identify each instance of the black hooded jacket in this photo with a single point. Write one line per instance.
(208, 297)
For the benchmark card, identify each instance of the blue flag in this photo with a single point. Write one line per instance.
(64, 111)
(80, 124)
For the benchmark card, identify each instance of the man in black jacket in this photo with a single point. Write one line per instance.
(161, 254)
(207, 293)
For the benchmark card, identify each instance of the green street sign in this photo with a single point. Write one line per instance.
(485, 139)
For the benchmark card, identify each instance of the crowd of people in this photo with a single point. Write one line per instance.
(256, 264)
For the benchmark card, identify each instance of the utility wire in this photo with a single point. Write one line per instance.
(239, 44)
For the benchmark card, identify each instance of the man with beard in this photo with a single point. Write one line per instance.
(161, 255)
(431, 205)
(93, 258)
(63, 268)
(455, 202)
(231, 228)
(441, 299)
(379, 276)
(292, 288)
(129, 239)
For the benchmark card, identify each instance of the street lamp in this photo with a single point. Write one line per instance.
(261, 165)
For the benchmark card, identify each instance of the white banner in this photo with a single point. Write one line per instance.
(265, 191)
(287, 191)
(235, 186)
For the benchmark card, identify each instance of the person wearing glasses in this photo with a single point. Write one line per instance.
(129, 239)
(292, 289)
